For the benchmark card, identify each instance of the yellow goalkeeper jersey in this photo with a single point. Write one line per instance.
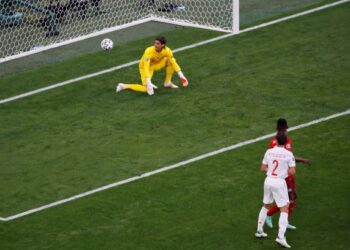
(151, 58)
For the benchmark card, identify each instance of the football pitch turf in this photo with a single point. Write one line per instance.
(82, 136)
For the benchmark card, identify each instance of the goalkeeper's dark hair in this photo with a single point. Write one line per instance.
(161, 39)
(281, 138)
(282, 124)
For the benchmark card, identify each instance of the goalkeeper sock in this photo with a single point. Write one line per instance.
(136, 87)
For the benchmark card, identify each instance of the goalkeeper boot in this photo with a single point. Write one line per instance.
(120, 87)
(268, 221)
(291, 227)
(170, 85)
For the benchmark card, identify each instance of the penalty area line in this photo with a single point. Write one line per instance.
(195, 45)
(167, 168)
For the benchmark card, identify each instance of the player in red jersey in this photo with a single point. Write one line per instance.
(283, 126)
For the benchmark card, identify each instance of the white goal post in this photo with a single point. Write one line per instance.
(32, 26)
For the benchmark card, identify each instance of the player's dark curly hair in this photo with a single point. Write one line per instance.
(161, 39)
(281, 138)
(282, 124)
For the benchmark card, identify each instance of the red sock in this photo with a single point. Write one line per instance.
(273, 210)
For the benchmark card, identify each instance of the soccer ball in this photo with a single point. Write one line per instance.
(107, 44)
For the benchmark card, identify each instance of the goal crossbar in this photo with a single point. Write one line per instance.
(222, 16)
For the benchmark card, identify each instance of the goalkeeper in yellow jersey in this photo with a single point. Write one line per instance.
(155, 58)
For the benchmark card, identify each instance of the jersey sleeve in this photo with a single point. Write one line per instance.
(288, 145)
(147, 62)
(272, 142)
(264, 161)
(173, 60)
(291, 161)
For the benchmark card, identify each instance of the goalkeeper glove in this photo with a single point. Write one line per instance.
(183, 79)
(150, 86)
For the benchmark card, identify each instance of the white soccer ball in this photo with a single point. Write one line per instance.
(107, 44)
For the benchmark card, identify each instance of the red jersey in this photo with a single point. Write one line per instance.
(290, 183)
(288, 145)
(290, 179)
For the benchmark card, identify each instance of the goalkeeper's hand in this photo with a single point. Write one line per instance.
(150, 87)
(183, 79)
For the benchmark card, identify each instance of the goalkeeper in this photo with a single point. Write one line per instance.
(156, 58)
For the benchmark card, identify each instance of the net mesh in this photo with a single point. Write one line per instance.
(252, 11)
(212, 14)
(27, 25)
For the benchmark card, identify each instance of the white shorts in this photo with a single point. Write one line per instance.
(275, 189)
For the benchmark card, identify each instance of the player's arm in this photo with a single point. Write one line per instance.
(264, 168)
(173, 61)
(291, 165)
(147, 62)
(272, 143)
(177, 68)
(302, 160)
(146, 69)
(291, 170)
(297, 159)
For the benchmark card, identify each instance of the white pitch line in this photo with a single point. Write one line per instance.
(326, 6)
(68, 82)
(195, 45)
(167, 168)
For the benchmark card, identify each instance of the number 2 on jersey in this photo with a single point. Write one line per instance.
(275, 162)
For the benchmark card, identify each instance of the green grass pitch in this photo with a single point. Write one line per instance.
(84, 135)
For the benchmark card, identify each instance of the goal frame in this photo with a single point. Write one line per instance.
(151, 17)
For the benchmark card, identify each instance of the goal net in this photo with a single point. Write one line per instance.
(30, 26)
